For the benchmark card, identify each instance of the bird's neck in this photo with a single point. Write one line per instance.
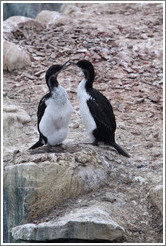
(89, 78)
(52, 83)
(83, 88)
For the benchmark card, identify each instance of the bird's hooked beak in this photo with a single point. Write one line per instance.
(65, 65)
(72, 63)
(76, 65)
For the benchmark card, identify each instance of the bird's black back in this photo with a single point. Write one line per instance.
(103, 115)
(41, 108)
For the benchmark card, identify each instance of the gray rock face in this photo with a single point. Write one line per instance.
(36, 183)
(92, 223)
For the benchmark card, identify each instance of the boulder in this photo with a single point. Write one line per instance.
(28, 9)
(13, 113)
(14, 57)
(14, 29)
(155, 193)
(92, 223)
(11, 24)
(35, 183)
(14, 120)
(20, 24)
(156, 196)
(47, 17)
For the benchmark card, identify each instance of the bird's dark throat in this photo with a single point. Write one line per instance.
(89, 76)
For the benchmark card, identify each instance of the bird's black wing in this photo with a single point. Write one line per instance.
(103, 115)
(40, 112)
(102, 109)
(41, 108)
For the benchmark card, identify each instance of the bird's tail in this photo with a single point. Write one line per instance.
(36, 145)
(119, 149)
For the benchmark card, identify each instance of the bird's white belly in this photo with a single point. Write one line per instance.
(86, 116)
(55, 121)
(87, 120)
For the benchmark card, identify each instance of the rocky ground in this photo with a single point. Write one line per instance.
(124, 43)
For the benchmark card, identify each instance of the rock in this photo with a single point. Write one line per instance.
(90, 223)
(140, 180)
(132, 75)
(155, 191)
(36, 183)
(11, 24)
(14, 57)
(47, 17)
(14, 113)
(129, 46)
(150, 115)
(154, 98)
(20, 25)
(28, 9)
(144, 36)
(14, 120)
(139, 121)
(76, 125)
(156, 196)
(140, 100)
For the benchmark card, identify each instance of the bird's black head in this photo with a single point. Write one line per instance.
(52, 73)
(86, 67)
(53, 70)
(51, 76)
(88, 70)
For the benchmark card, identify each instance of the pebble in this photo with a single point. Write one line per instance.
(140, 100)
(154, 98)
(150, 115)
(140, 109)
(129, 46)
(129, 70)
(135, 132)
(127, 87)
(140, 166)
(151, 35)
(157, 154)
(149, 145)
(132, 76)
(144, 36)
(156, 134)
(139, 121)
(76, 125)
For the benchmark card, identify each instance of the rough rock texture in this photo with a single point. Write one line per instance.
(14, 120)
(46, 180)
(47, 17)
(53, 178)
(92, 223)
(28, 9)
(49, 184)
(14, 57)
(156, 195)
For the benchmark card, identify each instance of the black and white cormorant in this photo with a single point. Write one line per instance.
(54, 111)
(95, 109)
